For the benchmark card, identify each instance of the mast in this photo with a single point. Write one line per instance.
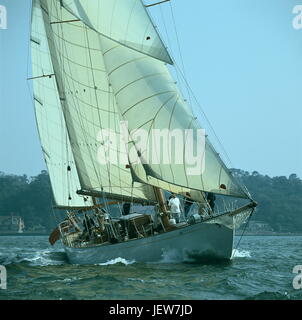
(162, 206)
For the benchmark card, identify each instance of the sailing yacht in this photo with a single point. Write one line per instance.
(21, 225)
(103, 93)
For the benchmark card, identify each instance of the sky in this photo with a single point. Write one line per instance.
(241, 58)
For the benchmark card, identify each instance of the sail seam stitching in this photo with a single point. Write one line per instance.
(150, 97)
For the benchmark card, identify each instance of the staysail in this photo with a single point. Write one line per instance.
(50, 120)
(89, 107)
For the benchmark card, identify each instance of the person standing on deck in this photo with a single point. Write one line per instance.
(174, 205)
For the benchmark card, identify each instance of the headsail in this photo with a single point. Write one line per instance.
(124, 21)
(50, 120)
(89, 106)
(149, 100)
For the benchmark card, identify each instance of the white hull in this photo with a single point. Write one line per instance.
(197, 242)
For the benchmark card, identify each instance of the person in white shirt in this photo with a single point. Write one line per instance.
(174, 205)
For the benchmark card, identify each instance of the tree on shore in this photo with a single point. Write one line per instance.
(279, 199)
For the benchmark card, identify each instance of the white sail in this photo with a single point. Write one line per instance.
(124, 21)
(149, 100)
(50, 120)
(89, 106)
(139, 174)
(102, 82)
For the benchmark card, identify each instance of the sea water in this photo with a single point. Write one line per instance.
(262, 268)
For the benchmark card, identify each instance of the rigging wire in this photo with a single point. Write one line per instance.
(179, 47)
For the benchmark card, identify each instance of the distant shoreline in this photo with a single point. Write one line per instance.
(238, 234)
(249, 234)
(23, 234)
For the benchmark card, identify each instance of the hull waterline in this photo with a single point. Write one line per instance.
(198, 242)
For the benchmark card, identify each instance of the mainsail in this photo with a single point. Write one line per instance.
(89, 106)
(50, 120)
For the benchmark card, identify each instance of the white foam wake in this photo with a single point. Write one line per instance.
(45, 258)
(115, 261)
(241, 254)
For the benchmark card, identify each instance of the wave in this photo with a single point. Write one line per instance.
(241, 253)
(65, 280)
(116, 261)
(47, 257)
(38, 258)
